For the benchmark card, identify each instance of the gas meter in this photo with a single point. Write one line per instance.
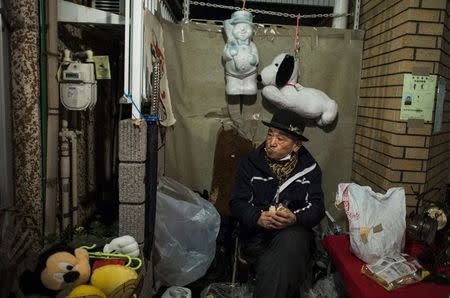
(78, 86)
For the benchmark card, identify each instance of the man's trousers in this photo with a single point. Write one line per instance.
(280, 259)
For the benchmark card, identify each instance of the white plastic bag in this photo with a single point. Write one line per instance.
(186, 229)
(376, 221)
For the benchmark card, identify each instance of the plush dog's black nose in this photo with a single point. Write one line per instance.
(259, 78)
(71, 276)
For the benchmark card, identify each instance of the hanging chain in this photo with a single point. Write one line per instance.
(156, 88)
(356, 18)
(272, 13)
(186, 6)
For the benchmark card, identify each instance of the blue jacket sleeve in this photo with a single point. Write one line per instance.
(315, 209)
(240, 204)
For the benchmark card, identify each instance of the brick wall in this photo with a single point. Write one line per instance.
(400, 36)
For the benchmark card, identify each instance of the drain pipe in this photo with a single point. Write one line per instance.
(340, 7)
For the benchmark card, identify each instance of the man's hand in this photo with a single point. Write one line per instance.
(265, 220)
(283, 219)
(278, 220)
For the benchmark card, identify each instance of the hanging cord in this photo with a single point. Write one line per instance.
(296, 39)
(130, 98)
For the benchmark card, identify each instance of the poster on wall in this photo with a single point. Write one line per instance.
(418, 97)
(102, 69)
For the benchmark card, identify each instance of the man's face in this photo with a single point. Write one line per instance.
(279, 144)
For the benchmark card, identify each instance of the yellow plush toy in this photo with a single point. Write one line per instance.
(57, 273)
(115, 280)
(64, 270)
(86, 291)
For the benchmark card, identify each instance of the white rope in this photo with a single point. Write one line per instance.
(268, 12)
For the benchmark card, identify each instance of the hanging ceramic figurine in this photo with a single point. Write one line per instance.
(281, 88)
(240, 54)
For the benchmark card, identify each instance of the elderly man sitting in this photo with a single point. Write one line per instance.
(277, 199)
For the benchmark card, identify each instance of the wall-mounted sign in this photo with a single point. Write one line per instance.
(102, 69)
(418, 97)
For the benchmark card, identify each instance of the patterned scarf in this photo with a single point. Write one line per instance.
(282, 169)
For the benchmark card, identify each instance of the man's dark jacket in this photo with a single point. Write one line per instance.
(256, 186)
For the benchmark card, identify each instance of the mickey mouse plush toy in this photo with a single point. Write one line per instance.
(281, 88)
(58, 271)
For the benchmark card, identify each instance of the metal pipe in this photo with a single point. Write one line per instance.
(151, 166)
(65, 175)
(340, 6)
(74, 176)
(92, 144)
(69, 175)
(6, 140)
(51, 186)
(43, 104)
(126, 75)
(136, 46)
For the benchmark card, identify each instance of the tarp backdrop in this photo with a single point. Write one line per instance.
(330, 60)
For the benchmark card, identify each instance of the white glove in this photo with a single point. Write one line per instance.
(125, 245)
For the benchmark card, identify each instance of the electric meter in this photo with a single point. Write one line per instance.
(78, 86)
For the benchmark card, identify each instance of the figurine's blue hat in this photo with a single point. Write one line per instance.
(242, 16)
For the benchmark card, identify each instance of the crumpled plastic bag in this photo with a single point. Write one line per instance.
(376, 221)
(186, 229)
(324, 288)
(395, 272)
(227, 290)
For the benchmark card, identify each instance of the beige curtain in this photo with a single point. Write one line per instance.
(330, 60)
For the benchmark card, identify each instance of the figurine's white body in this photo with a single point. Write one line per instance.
(240, 55)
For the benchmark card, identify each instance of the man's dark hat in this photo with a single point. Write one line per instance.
(288, 122)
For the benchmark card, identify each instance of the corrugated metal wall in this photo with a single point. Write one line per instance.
(166, 12)
(114, 6)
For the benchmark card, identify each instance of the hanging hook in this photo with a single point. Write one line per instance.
(136, 262)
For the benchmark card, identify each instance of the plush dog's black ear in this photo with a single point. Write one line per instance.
(284, 72)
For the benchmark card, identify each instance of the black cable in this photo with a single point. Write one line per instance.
(420, 196)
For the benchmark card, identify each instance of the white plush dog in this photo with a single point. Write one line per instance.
(282, 89)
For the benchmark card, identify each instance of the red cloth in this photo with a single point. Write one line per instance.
(104, 262)
(361, 286)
